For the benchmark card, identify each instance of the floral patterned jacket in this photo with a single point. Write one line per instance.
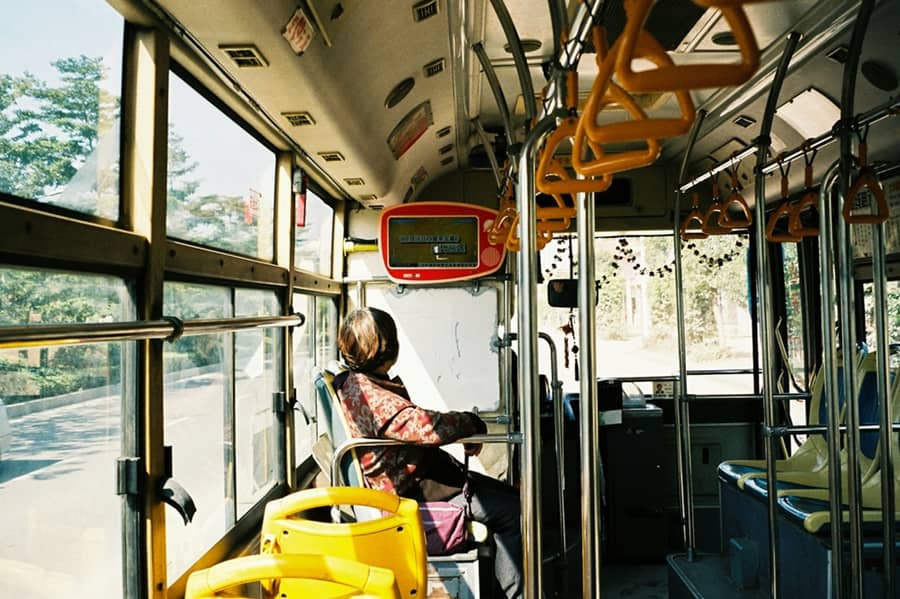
(378, 407)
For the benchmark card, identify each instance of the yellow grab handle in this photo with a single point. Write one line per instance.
(795, 224)
(685, 77)
(330, 496)
(367, 580)
(603, 164)
(783, 209)
(552, 177)
(641, 127)
(866, 180)
(694, 215)
(730, 222)
(504, 222)
(712, 219)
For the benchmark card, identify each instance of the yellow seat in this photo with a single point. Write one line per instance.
(395, 541)
(324, 577)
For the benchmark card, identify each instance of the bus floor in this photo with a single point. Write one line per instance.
(617, 580)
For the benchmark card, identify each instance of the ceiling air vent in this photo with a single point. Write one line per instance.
(354, 182)
(446, 149)
(331, 156)
(376, 206)
(244, 56)
(839, 54)
(443, 132)
(435, 67)
(368, 198)
(446, 160)
(744, 121)
(425, 10)
(299, 119)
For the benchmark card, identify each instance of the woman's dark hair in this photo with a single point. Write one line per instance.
(368, 339)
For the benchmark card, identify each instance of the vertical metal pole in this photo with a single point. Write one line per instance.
(559, 432)
(589, 410)
(764, 291)
(887, 418)
(845, 287)
(829, 370)
(682, 415)
(530, 489)
(506, 364)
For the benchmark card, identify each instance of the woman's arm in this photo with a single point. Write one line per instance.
(393, 416)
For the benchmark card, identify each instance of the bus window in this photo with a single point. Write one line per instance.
(793, 342)
(636, 307)
(257, 376)
(221, 180)
(718, 328)
(892, 297)
(315, 344)
(199, 423)
(61, 407)
(60, 83)
(312, 239)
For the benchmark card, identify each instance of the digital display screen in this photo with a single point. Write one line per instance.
(433, 241)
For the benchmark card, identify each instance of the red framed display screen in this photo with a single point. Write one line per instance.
(430, 242)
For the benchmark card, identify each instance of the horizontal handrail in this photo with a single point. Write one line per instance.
(169, 328)
(782, 431)
(343, 448)
(878, 113)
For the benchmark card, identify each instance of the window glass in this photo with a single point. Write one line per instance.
(315, 345)
(794, 329)
(60, 435)
(312, 241)
(60, 83)
(198, 423)
(892, 301)
(221, 180)
(636, 312)
(718, 328)
(257, 377)
(326, 330)
(304, 361)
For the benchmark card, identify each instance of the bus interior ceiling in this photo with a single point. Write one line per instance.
(358, 96)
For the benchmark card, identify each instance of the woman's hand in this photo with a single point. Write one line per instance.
(472, 449)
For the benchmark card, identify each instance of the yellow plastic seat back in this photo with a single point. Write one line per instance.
(325, 576)
(395, 541)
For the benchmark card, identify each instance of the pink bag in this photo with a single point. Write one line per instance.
(445, 527)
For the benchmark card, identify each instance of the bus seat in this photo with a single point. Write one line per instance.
(789, 480)
(464, 565)
(335, 425)
(285, 531)
(812, 455)
(320, 576)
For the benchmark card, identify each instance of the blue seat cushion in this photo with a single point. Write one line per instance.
(730, 473)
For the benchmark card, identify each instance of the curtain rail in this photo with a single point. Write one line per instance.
(169, 328)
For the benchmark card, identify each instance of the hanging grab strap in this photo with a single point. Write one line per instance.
(809, 202)
(688, 231)
(866, 179)
(735, 200)
(782, 210)
(712, 216)
(640, 128)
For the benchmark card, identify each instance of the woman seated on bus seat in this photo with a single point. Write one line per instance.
(378, 406)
